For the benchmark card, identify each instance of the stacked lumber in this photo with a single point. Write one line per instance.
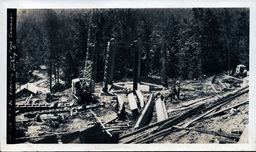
(184, 120)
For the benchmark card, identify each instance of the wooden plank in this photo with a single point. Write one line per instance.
(146, 112)
(146, 127)
(144, 88)
(218, 105)
(220, 111)
(166, 128)
(161, 110)
(191, 102)
(132, 101)
(213, 88)
(99, 121)
(222, 85)
(120, 104)
(154, 135)
(164, 108)
(152, 84)
(204, 114)
(228, 76)
(140, 97)
(210, 132)
(117, 86)
(28, 99)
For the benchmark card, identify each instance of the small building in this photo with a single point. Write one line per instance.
(43, 67)
(26, 90)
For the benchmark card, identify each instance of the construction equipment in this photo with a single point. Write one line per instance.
(241, 71)
(83, 87)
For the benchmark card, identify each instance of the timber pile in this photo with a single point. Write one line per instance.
(201, 110)
(139, 116)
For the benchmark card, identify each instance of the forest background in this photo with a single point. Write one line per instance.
(199, 41)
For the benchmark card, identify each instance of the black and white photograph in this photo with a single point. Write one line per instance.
(127, 76)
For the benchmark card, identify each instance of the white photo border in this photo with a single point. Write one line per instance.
(76, 4)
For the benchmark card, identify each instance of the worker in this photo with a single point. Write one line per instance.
(177, 88)
(174, 90)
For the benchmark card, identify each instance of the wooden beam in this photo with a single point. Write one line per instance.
(166, 128)
(204, 114)
(120, 105)
(220, 111)
(132, 101)
(144, 88)
(228, 76)
(99, 121)
(145, 114)
(140, 97)
(117, 86)
(161, 110)
(223, 134)
(145, 128)
(213, 88)
(28, 99)
(154, 135)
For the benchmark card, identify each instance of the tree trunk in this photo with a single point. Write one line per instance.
(50, 74)
(55, 75)
(58, 74)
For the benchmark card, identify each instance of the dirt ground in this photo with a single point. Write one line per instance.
(235, 119)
